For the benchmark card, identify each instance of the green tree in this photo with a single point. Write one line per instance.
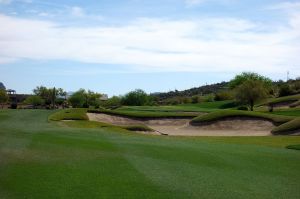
(34, 100)
(44, 93)
(50, 95)
(93, 98)
(245, 76)
(112, 102)
(3, 97)
(78, 99)
(250, 91)
(137, 97)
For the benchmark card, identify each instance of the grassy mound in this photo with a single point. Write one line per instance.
(80, 114)
(289, 111)
(145, 114)
(200, 107)
(69, 114)
(287, 127)
(94, 124)
(295, 104)
(295, 147)
(218, 115)
(137, 128)
(288, 99)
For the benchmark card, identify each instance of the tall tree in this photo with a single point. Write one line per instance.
(250, 91)
(48, 94)
(137, 97)
(78, 99)
(3, 97)
(245, 76)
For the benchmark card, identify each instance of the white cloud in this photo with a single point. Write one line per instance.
(204, 45)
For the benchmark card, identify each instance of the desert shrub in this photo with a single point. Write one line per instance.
(34, 100)
(195, 99)
(285, 90)
(224, 95)
(112, 102)
(209, 98)
(186, 100)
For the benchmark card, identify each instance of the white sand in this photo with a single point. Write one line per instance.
(181, 127)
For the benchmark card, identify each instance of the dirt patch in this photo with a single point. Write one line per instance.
(181, 127)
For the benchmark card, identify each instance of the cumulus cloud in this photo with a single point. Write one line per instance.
(204, 45)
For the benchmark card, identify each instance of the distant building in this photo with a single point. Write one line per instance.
(11, 92)
(104, 97)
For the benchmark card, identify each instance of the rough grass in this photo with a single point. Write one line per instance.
(288, 127)
(137, 128)
(94, 124)
(217, 115)
(39, 159)
(295, 147)
(145, 114)
(69, 114)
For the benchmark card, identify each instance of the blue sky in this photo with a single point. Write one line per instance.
(116, 46)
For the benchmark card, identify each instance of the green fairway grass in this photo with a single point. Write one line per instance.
(41, 159)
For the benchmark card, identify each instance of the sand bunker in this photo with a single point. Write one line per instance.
(181, 127)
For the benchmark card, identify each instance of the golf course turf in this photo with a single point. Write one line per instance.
(42, 159)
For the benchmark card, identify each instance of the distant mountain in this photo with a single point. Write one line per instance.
(2, 86)
(202, 90)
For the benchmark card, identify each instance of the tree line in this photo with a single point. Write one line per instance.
(245, 89)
